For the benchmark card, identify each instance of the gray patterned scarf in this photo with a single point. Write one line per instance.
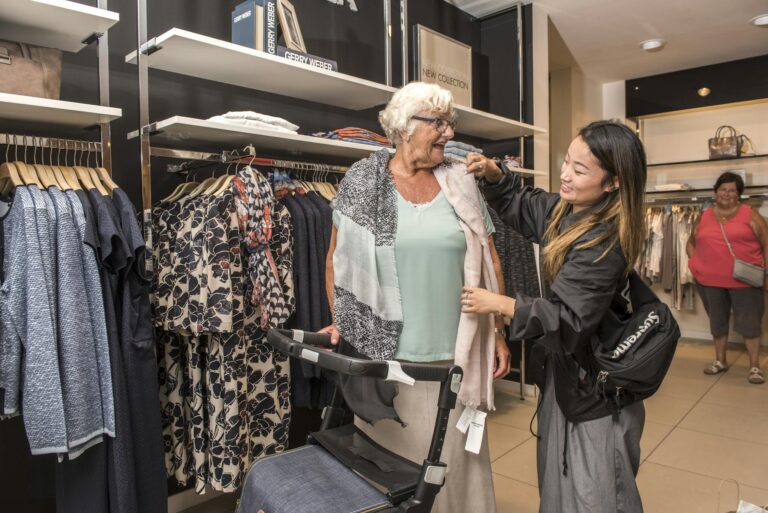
(367, 308)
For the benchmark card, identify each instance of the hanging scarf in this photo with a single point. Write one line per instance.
(475, 350)
(366, 304)
(255, 209)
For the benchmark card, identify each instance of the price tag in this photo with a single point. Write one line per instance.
(466, 418)
(475, 436)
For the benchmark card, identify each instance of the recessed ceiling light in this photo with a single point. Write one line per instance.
(704, 91)
(760, 21)
(653, 45)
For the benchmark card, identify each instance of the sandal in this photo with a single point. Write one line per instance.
(756, 376)
(716, 368)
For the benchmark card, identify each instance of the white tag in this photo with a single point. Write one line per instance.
(475, 436)
(466, 418)
(298, 335)
(396, 373)
(746, 507)
(310, 355)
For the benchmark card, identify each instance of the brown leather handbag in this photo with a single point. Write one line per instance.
(728, 144)
(30, 70)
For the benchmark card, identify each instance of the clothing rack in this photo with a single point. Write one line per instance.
(245, 155)
(75, 151)
(693, 196)
(33, 141)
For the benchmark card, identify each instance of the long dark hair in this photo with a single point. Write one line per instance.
(620, 153)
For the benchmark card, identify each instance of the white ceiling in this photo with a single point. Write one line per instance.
(604, 35)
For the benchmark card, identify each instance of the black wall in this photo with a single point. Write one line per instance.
(735, 81)
(355, 40)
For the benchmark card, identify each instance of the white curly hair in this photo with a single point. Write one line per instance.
(408, 101)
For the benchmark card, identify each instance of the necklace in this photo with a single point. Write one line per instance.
(724, 216)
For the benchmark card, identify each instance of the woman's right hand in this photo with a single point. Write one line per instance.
(333, 332)
(483, 167)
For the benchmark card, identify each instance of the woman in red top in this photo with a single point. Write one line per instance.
(712, 266)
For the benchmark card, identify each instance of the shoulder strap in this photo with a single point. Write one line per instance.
(722, 229)
(640, 294)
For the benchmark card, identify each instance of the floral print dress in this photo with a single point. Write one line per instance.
(222, 278)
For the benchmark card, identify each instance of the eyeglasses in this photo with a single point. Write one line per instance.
(440, 124)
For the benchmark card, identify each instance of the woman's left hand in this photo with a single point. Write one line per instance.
(477, 300)
(503, 363)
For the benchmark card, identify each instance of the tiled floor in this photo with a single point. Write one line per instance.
(699, 430)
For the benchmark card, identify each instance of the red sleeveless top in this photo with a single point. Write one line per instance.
(712, 264)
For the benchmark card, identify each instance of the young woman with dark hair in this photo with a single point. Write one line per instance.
(591, 234)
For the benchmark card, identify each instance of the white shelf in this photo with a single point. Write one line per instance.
(54, 112)
(53, 23)
(187, 53)
(490, 126)
(184, 132)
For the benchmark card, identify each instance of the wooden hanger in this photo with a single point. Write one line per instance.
(202, 186)
(100, 174)
(97, 181)
(10, 177)
(83, 177)
(70, 176)
(64, 185)
(106, 179)
(179, 191)
(28, 174)
(46, 178)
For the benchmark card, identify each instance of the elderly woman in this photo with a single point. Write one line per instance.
(409, 233)
(712, 266)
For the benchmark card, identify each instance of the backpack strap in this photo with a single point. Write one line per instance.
(640, 294)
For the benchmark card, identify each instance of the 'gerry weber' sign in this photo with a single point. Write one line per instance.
(446, 62)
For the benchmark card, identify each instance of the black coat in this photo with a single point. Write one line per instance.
(572, 318)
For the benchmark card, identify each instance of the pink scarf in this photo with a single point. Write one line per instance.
(475, 348)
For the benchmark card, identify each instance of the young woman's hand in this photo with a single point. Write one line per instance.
(483, 167)
(477, 300)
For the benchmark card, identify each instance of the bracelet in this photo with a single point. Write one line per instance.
(500, 331)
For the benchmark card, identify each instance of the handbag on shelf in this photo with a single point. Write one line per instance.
(728, 144)
(751, 274)
(30, 70)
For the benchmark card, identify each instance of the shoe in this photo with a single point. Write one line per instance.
(756, 376)
(716, 368)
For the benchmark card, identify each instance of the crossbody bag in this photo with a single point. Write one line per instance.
(751, 274)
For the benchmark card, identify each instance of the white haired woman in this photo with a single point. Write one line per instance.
(409, 232)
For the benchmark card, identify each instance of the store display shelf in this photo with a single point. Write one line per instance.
(184, 132)
(54, 112)
(490, 126)
(709, 161)
(53, 23)
(747, 188)
(187, 53)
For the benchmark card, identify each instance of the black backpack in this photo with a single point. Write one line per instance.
(632, 367)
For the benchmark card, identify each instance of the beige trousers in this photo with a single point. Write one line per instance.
(468, 484)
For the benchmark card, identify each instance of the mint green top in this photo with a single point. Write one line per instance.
(429, 251)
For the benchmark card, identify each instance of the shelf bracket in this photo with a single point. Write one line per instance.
(92, 38)
(151, 130)
(150, 47)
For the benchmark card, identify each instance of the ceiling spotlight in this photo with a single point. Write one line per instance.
(704, 91)
(653, 45)
(760, 21)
